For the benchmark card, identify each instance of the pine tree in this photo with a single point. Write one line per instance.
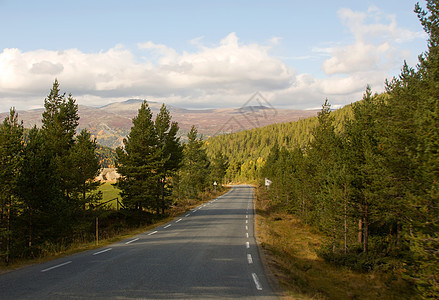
(218, 168)
(423, 231)
(11, 132)
(195, 169)
(40, 194)
(84, 167)
(171, 154)
(139, 161)
(323, 155)
(60, 120)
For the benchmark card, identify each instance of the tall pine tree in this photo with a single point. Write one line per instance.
(139, 161)
(11, 131)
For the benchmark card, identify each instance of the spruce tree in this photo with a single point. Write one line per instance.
(60, 120)
(139, 161)
(171, 155)
(85, 167)
(195, 169)
(40, 194)
(11, 132)
(218, 168)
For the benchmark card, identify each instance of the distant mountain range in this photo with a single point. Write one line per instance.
(112, 122)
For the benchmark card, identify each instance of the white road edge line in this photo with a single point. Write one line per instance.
(129, 242)
(247, 244)
(257, 283)
(105, 250)
(154, 232)
(167, 226)
(178, 220)
(57, 266)
(249, 258)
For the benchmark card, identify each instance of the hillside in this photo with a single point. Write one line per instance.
(248, 150)
(111, 123)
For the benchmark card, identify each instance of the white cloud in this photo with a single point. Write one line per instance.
(225, 74)
(375, 46)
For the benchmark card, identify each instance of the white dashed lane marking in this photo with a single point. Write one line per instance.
(57, 266)
(103, 251)
(129, 242)
(257, 283)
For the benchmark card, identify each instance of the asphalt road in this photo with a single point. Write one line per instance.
(209, 252)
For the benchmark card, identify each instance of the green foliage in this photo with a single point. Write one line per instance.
(194, 173)
(11, 132)
(84, 166)
(218, 168)
(47, 178)
(106, 156)
(366, 175)
(138, 162)
(171, 155)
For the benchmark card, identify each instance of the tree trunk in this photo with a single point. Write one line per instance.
(345, 219)
(366, 228)
(30, 228)
(398, 233)
(8, 229)
(360, 231)
(84, 189)
(163, 195)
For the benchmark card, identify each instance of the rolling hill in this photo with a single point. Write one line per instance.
(111, 123)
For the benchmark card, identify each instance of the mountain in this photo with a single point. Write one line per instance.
(112, 122)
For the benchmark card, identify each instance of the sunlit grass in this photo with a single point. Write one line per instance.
(109, 192)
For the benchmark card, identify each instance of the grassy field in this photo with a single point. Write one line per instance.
(109, 192)
(290, 248)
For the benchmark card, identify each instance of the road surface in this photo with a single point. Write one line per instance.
(209, 252)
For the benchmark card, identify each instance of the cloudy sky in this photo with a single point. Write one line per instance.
(203, 54)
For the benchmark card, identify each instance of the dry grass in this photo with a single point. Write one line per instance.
(290, 248)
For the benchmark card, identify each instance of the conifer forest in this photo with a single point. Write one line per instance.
(366, 176)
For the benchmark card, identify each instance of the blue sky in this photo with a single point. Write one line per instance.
(202, 54)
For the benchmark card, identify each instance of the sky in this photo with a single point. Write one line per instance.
(204, 54)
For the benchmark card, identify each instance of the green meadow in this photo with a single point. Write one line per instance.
(109, 192)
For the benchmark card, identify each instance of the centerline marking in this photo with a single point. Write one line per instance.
(103, 251)
(154, 232)
(247, 244)
(249, 258)
(187, 215)
(178, 220)
(129, 242)
(57, 266)
(257, 283)
(167, 226)
(246, 234)
(246, 227)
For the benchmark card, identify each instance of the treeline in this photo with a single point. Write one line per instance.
(106, 156)
(49, 197)
(157, 169)
(371, 185)
(46, 179)
(247, 151)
